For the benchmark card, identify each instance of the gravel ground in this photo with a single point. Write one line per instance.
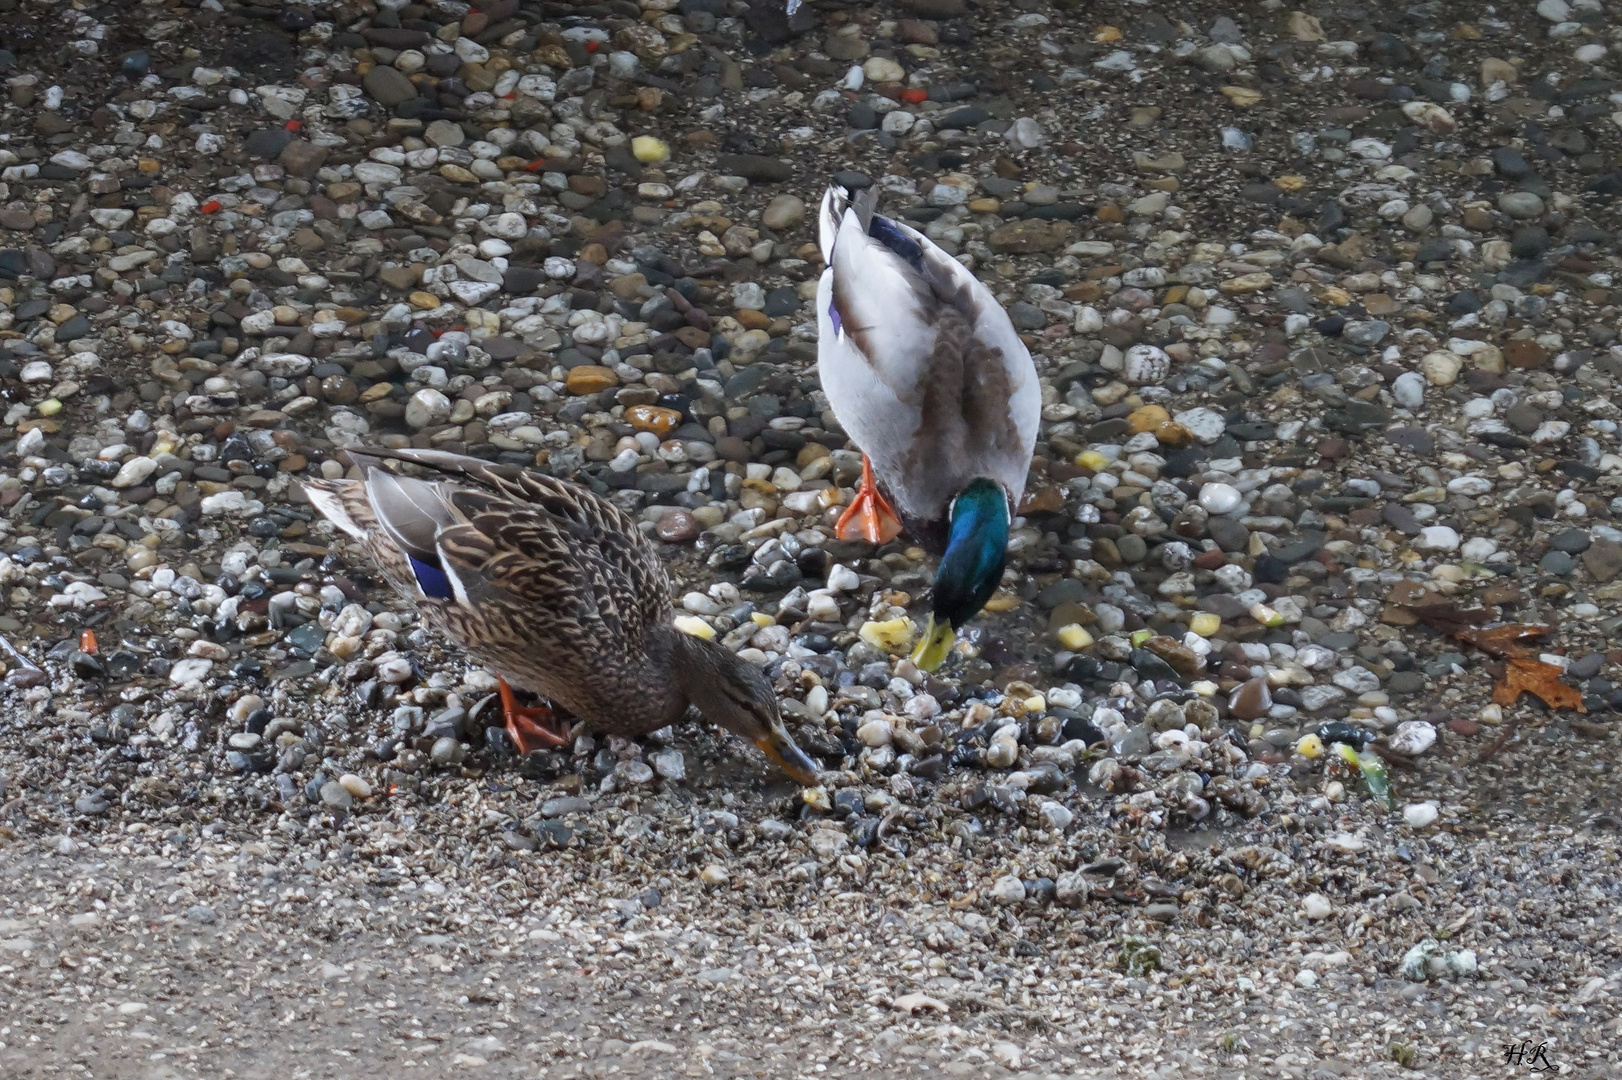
(1325, 305)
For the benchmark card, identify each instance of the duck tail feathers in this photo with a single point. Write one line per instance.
(344, 503)
(834, 203)
(866, 204)
(837, 201)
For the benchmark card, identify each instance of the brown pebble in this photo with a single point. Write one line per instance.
(1251, 700)
(1525, 353)
(1464, 727)
(340, 389)
(654, 418)
(677, 527)
(1334, 448)
(590, 379)
(590, 186)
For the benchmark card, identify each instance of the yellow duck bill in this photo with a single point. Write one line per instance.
(777, 745)
(935, 645)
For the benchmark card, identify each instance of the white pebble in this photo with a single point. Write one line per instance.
(1004, 748)
(1419, 815)
(1008, 890)
(1409, 389)
(1218, 498)
(875, 732)
(1438, 538)
(1316, 906)
(1413, 737)
(842, 578)
(1056, 816)
(1146, 364)
(189, 671)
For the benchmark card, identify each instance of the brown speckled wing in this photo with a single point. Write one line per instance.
(539, 539)
(619, 565)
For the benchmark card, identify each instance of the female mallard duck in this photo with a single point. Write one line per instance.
(924, 371)
(553, 589)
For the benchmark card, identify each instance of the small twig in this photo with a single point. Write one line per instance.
(1391, 757)
(695, 316)
(1503, 740)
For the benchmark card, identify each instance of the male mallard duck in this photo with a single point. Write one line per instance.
(925, 373)
(553, 589)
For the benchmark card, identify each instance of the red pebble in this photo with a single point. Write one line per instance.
(913, 95)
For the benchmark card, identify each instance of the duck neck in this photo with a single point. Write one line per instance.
(976, 548)
(672, 658)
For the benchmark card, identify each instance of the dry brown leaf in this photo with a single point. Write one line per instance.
(1449, 618)
(1524, 676)
(1507, 640)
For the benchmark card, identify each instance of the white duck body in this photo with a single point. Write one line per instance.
(921, 365)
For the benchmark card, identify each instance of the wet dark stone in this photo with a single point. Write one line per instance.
(1405, 682)
(1151, 666)
(267, 142)
(1270, 570)
(1230, 535)
(1253, 431)
(1574, 541)
(73, 329)
(1586, 667)
(1463, 302)
(1064, 591)
(1524, 273)
(1418, 440)
(1357, 417)
(1300, 549)
(783, 301)
(1389, 49)
(1401, 518)
(967, 117)
(755, 168)
(1529, 242)
(1509, 163)
(1559, 563)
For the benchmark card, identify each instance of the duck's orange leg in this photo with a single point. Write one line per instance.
(869, 516)
(529, 728)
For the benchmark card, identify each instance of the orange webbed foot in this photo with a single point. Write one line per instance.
(530, 728)
(869, 516)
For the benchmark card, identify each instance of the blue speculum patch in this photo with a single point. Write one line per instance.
(431, 579)
(885, 232)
